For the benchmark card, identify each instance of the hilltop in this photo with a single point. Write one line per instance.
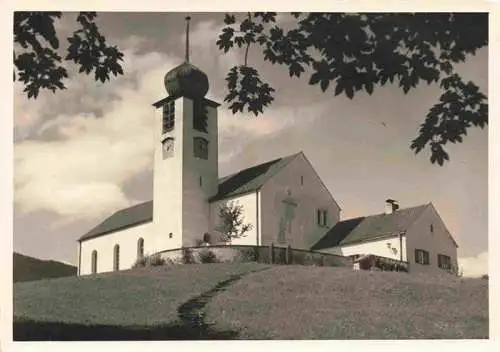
(251, 301)
(27, 268)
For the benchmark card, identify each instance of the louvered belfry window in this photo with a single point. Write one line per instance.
(168, 116)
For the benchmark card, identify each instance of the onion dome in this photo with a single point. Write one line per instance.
(186, 80)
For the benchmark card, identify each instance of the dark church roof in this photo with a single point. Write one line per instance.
(251, 179)
(132, 216)
(241, 182)
(371, 227)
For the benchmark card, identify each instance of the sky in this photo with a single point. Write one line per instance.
(85, 152)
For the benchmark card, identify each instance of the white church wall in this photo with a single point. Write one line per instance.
(389, 247)
(249, 203)
(167, 182)
(200, 176)
(435, 242)
(299, 228)
(104, 245)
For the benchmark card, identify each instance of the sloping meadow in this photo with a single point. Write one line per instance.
(251, 301)
(139, 299)
(298, 302)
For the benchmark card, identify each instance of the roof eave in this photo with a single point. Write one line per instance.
(233, 195)
(99, 234)
(373, 239)
(160, 102)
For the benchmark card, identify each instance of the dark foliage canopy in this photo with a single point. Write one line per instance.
(345, 53)
(38, 63)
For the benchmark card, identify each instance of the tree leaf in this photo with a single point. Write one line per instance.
(324, 84)
(229, 19)
(349, 91)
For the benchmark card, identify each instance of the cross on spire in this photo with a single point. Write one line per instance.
(187, 38)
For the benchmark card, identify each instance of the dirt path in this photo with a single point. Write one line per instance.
(192, 315)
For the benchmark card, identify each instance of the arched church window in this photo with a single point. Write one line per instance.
(200, 148)
(140, 248)
(94, 262)
(168, 116)
(116, 257)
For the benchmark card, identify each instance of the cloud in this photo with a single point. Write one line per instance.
(238, 131)
(206, 55)
(78, 169)
(83, 144)
(474, 266)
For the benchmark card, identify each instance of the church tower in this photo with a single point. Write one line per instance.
(185, 157)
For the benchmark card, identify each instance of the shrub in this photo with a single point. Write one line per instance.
(247, 254)
(188, 256)
(485, 277)
(298, 257)
(156, 260)
(207, 256)
(333, 261)
(149, 261)
(308, 259)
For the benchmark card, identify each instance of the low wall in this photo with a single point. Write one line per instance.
(260, 254)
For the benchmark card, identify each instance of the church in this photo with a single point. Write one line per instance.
(284, 200)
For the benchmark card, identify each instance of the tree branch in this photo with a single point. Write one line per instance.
(248, 43)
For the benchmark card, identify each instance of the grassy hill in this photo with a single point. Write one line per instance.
(30, 269)
(251, 301)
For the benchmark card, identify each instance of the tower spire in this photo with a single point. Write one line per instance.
(187, 38)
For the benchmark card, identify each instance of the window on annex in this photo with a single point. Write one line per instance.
(168, 116)
(200, 148)
(140, 248)
(444, 261)
(421, 257)
(116, 257)
(322, 217)
(94, 262)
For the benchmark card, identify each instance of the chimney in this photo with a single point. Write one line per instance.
(391, 206)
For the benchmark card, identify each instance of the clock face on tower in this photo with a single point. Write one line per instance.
(200, 148)
(168, 148)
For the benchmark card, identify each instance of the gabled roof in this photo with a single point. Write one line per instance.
(244, 181)
(132, 216)
(251, 179)
(370, 227)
